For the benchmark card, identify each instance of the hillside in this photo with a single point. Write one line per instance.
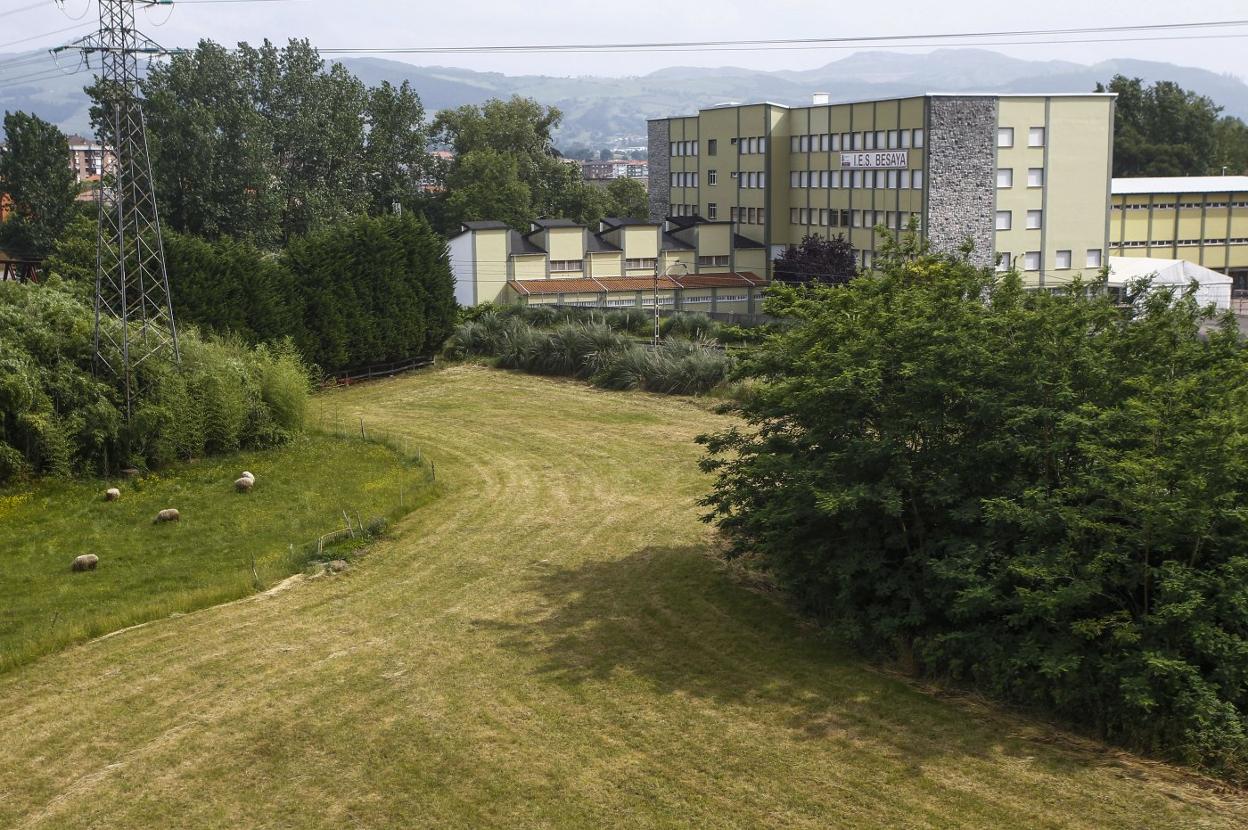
(550, 644)
(601, 108)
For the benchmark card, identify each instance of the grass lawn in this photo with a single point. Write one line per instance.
(147, 570)
(549, 644)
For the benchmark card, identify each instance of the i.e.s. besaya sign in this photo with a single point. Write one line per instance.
(890, 160)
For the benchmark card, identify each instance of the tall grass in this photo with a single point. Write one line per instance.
(593, 350)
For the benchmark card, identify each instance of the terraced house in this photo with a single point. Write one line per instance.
(1200, 219)
(701, 264)
(1025, 178)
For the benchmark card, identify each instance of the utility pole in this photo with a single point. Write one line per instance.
(133, 310)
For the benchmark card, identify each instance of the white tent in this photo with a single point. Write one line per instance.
(1213, 288)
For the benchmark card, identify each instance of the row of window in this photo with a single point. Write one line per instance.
(751, 180)
(1185, 205)
(685, 148)
(751, 145)
(644, 262)
(868, 140)
(1163, 243)
(1035, 137)
(897, 220)
(558, 265)
(857, 179)
(1005, 220)
(684, 210)
(748, 216)
(1005, 177)
(1061, 262)
(713, 261)
(686, 180)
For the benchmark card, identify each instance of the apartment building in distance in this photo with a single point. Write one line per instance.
(1200, 219)
(88, 158)
(702, 265)
(1026, 177)
(602, 171)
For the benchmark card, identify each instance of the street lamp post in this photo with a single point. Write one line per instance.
(657, 274)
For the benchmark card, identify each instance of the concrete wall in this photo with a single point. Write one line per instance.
(961, 174)
(463, 266)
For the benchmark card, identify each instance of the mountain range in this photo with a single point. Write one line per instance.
(602, 110)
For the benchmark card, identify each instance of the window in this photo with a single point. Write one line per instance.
(918, 138)
(712, 177)
(693, 147)
(732, 214)
(1094, 258)
(892, 179)
(762, 179)
(762, 145)
(804, 179)
(712, 146)
(673, 148)
(1031, 261)
(564, 265)
(639, 263)
(752, 145)
(795, 143)
(1035, 218)
(823, 217)
(892, 139)
(1005, 177)
(712, 210)
(916, 179)
(1035, 177)
(752, 180)
(762, 212)
(750, 215)
(824, 142)
(1003, 261)
(834, 178)
(713, 261)
(857, 140)
(836, 142)
(793, 216)
(881, 137)
(1035, 137)
(1005, 220)
(858, 179)
(1063, 260)
(795, 178)
(804, 144)
(1005, 136)
(824, 175)
(905, 139)
(856, 218)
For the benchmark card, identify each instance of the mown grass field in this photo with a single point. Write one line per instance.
(149, 571)
(551, 643)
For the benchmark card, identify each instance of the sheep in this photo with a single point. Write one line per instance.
(112, 494)
(167, 515)
(85, 563)
(246, 474)
(244, 485)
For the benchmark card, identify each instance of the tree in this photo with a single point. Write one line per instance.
(486, 184)
(605, 154)
(817, 259)
(396, 154)
(1039, 495)
(627, 198)
(1165, 130)
(1231, 146)
(35, 172)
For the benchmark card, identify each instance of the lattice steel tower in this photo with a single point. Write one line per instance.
(133, 310)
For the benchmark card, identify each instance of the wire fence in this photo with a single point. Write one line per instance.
(346, 377)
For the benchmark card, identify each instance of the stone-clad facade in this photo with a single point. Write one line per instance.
(659, 141)
(961, 169)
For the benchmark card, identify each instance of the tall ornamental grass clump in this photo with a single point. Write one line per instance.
(594, 351)
(60, 416)
(1039, 496)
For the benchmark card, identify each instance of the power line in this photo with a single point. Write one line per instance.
(45, 34)
(21, 9)
(821, 43)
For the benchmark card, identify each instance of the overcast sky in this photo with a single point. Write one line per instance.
(373, 23)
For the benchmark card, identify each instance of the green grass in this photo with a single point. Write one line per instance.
(551, 643)
(149, 571)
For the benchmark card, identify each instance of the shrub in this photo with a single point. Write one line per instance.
(60, 416)
(630, 321)
(692, 325)
(1038, 495)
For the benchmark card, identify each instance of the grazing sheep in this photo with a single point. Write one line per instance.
(244, 485)
(168, 515)
(246, 474)
(85, 563)
(112, 494)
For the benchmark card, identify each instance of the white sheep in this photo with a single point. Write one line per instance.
(85, 563)
(112, 494)
(244, 485)
(246, 474)
(168, 515)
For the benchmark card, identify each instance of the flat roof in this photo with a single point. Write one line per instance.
(896, 98)
(1180, 184)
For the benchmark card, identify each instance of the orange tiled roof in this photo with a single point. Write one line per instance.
(598, 285)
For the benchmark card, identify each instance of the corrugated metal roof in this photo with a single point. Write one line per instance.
(1180, 184)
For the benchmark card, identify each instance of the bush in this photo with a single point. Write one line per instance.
(692, 325)
(1038, 495)
(59, 416)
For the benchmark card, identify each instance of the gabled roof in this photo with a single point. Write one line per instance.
(521, 244)
(598, 245)
(671, 243)
(485, 225)
(556, 223)
(745, 243)
(622, 221)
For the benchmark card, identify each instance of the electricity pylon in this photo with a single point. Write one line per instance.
(133, 309)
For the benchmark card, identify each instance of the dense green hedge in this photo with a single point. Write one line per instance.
(60, 417)
(368, 291)
(1039, 495)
